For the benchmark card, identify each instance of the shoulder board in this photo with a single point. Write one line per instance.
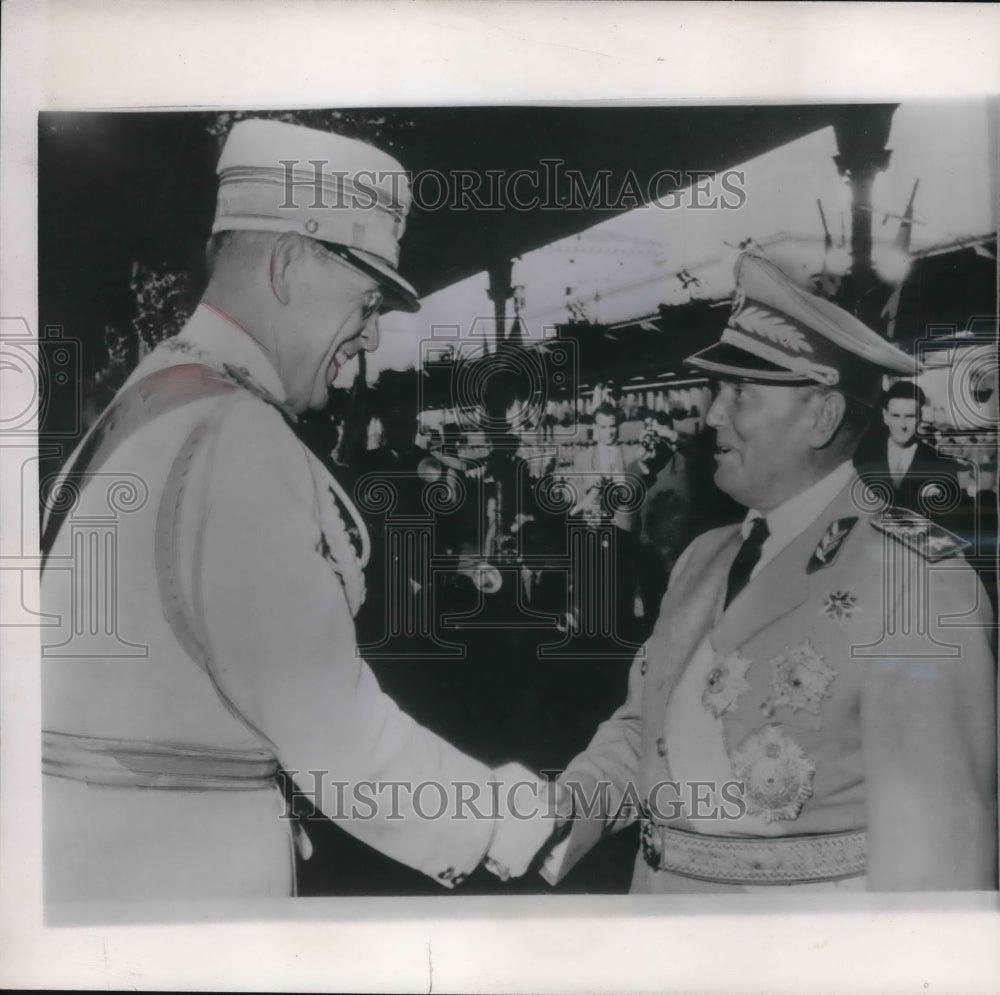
(930, 540)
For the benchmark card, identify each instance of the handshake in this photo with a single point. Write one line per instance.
(532, 815)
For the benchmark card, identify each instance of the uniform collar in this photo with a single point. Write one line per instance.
(213, 338)
(795, 515)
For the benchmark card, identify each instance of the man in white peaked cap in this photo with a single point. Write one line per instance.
(229, 647)
(815, 708)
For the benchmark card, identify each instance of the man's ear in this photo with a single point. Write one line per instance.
(830, 408)
(286, 251)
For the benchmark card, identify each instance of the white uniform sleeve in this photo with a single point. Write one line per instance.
(283, 654)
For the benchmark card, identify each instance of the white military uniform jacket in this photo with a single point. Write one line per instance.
(782, 694)
(265, 575)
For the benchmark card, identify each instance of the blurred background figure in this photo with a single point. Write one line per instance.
(395, 578)
(603, 584)
(660, 524)
(323, 431)
(913, 474)
(601, 465)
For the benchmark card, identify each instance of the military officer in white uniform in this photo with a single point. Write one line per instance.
(816, 706)
(231, 582)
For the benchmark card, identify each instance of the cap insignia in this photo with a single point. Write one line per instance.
(739, 301)
(771, 326)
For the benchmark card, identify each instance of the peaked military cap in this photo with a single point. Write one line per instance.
(779, 333)
(339, 191)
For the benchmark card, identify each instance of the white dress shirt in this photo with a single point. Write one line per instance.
(793, 517)
(899, 459)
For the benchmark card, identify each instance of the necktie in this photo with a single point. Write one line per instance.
(746, 558)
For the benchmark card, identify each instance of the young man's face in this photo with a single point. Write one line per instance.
(762, 442)
(605, 429)
(900, 416)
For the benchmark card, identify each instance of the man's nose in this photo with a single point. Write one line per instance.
(716, 414)
(370, 334)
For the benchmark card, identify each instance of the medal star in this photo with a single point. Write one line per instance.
(726, 682)
(801, 679)
(839, 605)
(777, 776)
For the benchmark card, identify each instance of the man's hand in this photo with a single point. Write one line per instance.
(528, 811)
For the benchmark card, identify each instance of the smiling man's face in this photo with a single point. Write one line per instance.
(762, 442)
(324, 325)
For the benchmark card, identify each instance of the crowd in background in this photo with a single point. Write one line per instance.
(635, 466)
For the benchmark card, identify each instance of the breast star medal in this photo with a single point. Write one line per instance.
(839, 605)
(726, 682)
(777, 776)
(800, 679)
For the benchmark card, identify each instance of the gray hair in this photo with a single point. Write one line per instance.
(239, 247)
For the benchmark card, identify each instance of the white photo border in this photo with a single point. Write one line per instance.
(256, 54)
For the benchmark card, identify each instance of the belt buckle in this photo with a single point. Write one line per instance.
(651, 843)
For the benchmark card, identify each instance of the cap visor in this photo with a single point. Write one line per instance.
(398, 294)
(724, 360)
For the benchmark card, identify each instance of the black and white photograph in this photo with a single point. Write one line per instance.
(467, 506)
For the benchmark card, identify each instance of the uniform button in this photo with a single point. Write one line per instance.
(715, 679)
(661, 747)
(643, 667)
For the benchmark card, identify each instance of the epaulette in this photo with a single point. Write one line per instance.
(931, 541)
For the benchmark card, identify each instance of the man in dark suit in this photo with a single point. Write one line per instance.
(909, 472)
